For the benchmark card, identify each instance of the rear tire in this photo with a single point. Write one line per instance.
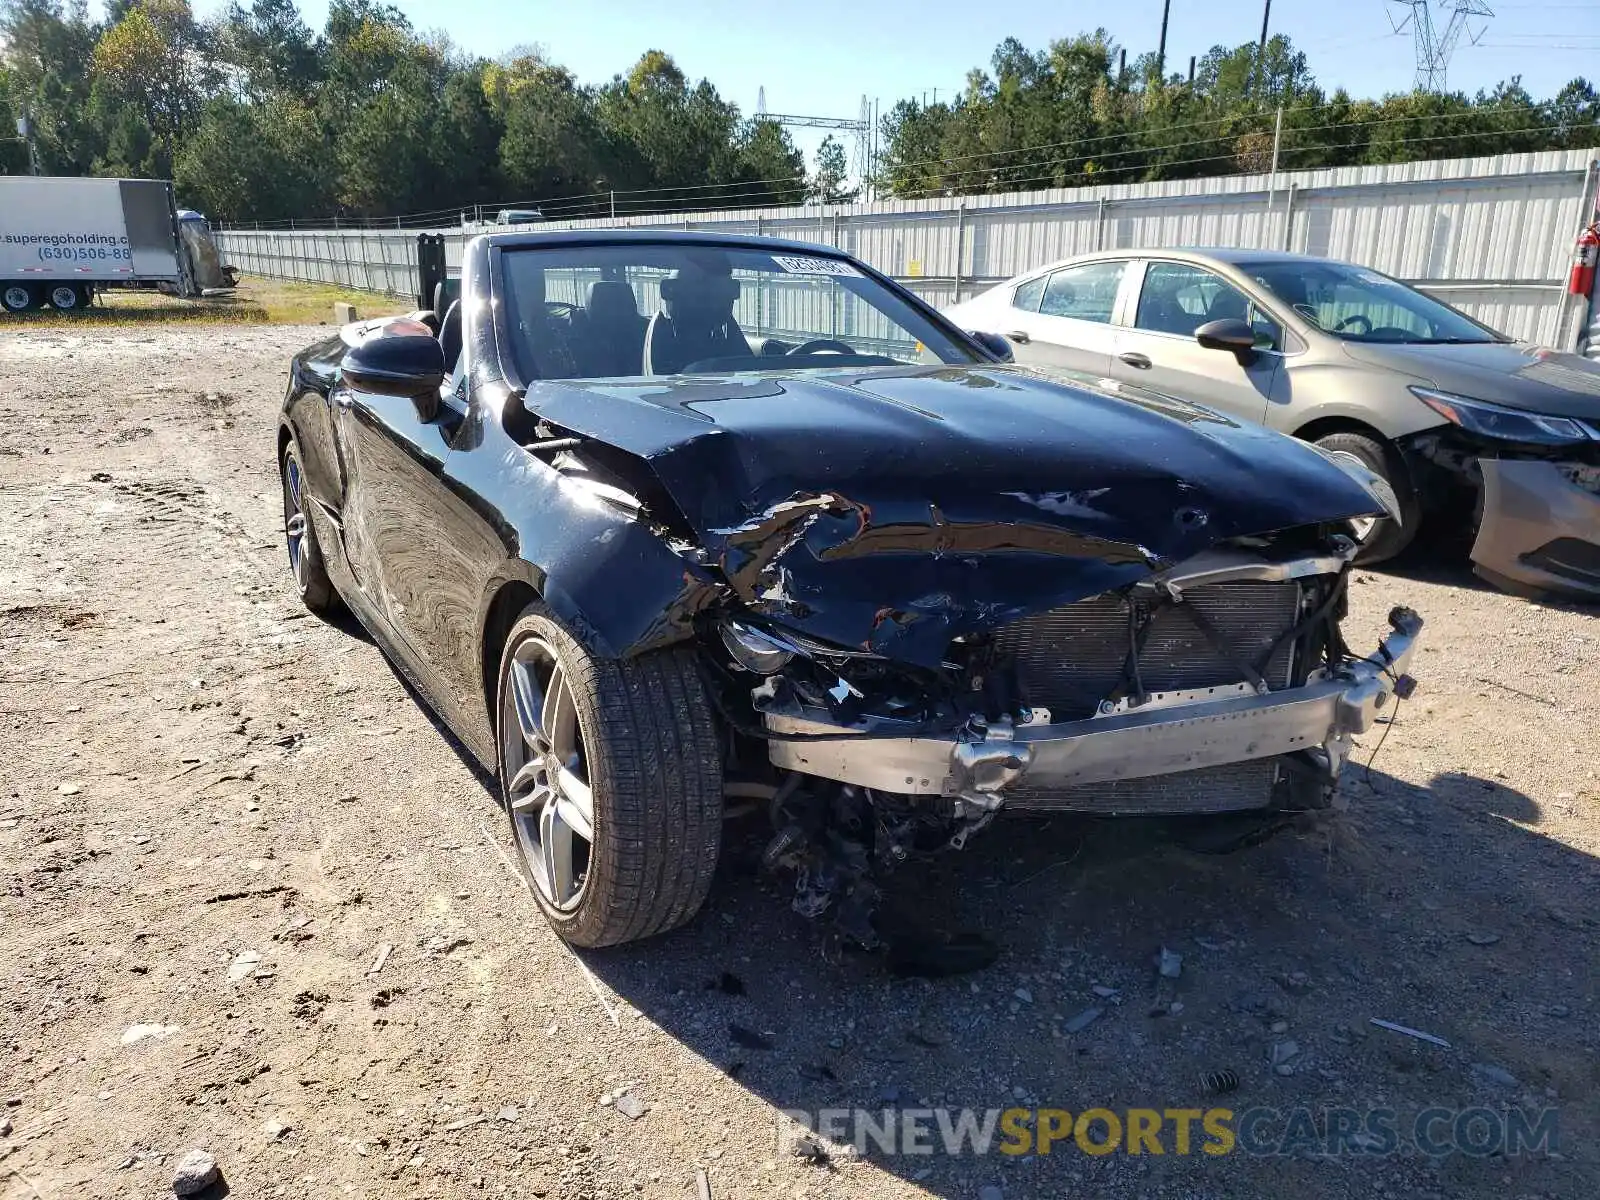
(68, 297)
(19, 297)
(1387, 537)
(305, 555)
(627, 751)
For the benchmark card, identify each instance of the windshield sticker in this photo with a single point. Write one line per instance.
(813, 266)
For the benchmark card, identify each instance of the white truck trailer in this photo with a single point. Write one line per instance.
(63, 239)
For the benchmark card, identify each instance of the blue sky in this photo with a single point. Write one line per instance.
(822, 56)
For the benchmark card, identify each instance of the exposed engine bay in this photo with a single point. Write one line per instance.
(1223, 684)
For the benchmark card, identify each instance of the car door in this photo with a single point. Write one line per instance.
(393, 451)
(1063, 319)
(1157, 347)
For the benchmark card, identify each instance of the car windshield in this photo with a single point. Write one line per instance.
(1359, 305)
(643, 309)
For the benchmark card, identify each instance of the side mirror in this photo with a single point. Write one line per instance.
(1229, 334)
(399, 364)
(994, 344)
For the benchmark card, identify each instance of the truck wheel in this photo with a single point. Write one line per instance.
(611, 771)
(68, 297)
(1380, 537)
(19, 297)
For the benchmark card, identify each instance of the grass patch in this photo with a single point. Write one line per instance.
(254, 302)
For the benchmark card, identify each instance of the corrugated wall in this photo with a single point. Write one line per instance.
(1490, 235)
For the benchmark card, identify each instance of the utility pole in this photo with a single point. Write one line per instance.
(1261, 51)
(1161, 50)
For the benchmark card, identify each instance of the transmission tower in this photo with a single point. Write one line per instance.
(1435, 45)
(862, 131)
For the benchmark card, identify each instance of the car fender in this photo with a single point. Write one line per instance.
(1321, 392)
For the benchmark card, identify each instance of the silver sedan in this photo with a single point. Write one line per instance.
(1469, 428)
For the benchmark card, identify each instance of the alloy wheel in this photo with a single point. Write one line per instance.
(546, 774)
(294, 521)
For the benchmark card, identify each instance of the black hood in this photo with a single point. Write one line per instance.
(893, 508)
(1514, 374)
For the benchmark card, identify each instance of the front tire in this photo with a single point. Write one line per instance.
(611, 772)
(1384, 537)
(305, 555)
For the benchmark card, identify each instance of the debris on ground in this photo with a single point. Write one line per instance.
(629, 1105)
(243, 966)
(1282, 1052)
(1219, 1083)
(1082, 1020)
(1409, 1032)
(927, 955)
(196, 1171)
(1478, 938)
(135, 1034)
(749, 1038)
(1491, 1074)
(809, 1148)
(1169, 963)
(383, 956)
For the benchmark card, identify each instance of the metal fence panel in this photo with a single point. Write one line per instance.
(1489, 235)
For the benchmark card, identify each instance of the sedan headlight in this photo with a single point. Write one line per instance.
(1505, 424)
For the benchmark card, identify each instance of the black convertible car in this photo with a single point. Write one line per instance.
(656, 520)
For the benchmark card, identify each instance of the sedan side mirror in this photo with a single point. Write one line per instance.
(1231, 334)
(399, 364)
(994, 344)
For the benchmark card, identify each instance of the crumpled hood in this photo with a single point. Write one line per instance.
(891, 509)
(1515, 374)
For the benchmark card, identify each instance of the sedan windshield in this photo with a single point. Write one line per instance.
(1359, 305)
(643, 309)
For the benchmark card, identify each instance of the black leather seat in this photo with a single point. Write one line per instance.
(695, 322)
(613, 330)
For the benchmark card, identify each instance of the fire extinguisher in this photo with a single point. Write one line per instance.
(1584, 256)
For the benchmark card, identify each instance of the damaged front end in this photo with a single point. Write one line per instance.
(1532, 484)
(1221, 684)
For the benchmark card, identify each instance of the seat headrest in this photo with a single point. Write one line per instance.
(613, 299)
(445, 292)
(695, 294)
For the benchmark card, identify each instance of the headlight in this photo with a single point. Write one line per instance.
(1506, 424)
(1376, 485)
(754, 649)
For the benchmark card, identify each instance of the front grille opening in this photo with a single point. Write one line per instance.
(1071, 658)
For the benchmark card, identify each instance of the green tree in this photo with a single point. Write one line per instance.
(833, 171)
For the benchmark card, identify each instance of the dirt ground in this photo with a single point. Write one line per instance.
(256, 902)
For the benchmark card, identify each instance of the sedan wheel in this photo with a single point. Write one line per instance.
(1380, 537)
(611, 771)
(552, 806)
(305, 556)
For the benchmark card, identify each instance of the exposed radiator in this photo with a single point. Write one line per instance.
(1229, 788)
(1070, 658)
